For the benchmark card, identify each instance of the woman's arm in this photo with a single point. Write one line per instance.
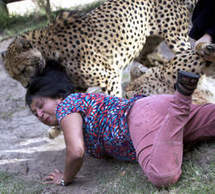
(73, 135)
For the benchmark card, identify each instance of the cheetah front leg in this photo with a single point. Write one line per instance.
(175, 28)
(177, 42)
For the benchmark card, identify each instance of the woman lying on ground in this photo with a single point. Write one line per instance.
(150, 130)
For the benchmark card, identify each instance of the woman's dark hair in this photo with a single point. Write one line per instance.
(52, 82)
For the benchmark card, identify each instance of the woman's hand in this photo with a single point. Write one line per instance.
(53, 178)
(74, 140)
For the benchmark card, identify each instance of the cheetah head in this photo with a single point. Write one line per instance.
(22, 61)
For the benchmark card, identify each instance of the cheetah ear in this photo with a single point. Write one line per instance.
(22, 43)
(4, 52)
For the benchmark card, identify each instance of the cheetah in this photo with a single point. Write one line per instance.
(161, 79)
(94, 48)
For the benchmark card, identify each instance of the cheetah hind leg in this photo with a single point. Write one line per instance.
(150, 46)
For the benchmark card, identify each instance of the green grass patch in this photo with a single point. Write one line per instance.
(198, 175)
(15, 24)
(12, 184)
(125, 178)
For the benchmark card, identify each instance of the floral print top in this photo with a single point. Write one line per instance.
(104, 123)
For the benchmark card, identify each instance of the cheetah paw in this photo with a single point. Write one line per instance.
(207, 50)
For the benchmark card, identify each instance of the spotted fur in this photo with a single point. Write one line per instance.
(161, 79)
(95, 47)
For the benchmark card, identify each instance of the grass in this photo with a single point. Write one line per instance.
(12, 184)
(14, 25)
(125, 178)
(198, 175)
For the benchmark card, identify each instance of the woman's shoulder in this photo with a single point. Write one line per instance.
(74, 96)
(85, 95)
(77, 98)
(73, 103)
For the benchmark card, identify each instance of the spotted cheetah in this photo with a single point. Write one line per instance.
(94, 48)
(161, 79)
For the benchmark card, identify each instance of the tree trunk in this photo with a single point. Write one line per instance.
(48, 10)
(45, 6)
(3, 9)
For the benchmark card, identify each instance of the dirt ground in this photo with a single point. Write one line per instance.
(25, 148)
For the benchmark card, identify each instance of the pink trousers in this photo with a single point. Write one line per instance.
(159, 126)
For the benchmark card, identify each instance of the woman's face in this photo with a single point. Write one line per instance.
(44, 109)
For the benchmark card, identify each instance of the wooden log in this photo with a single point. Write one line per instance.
(3, 8)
